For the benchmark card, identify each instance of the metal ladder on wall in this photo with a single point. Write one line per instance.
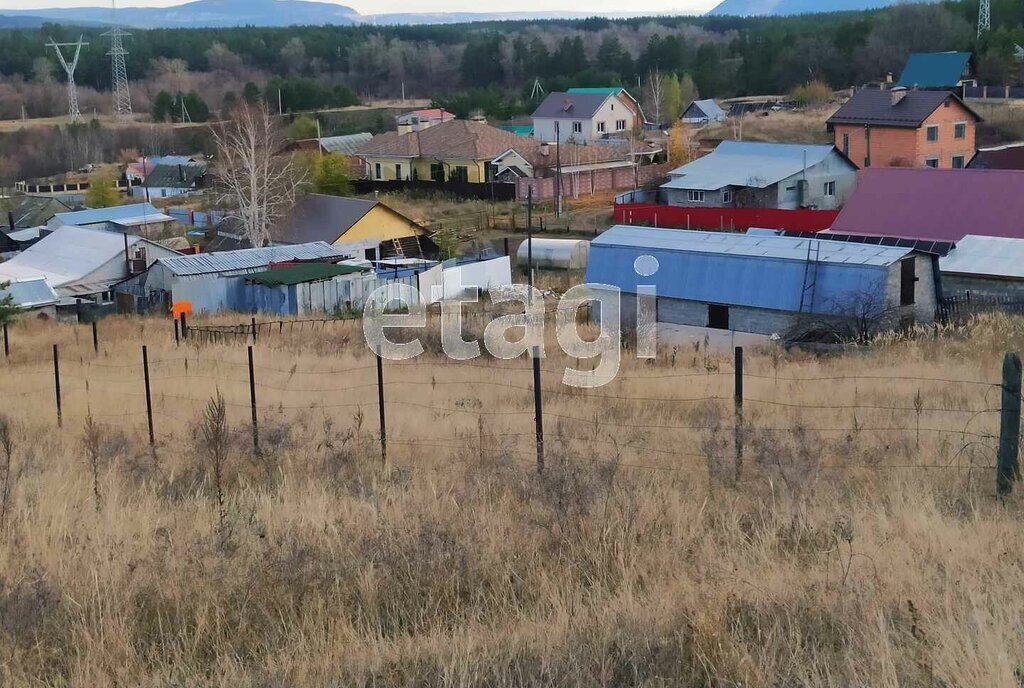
(810, 275)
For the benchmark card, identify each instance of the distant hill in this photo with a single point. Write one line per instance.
(229, 13)
(750, 8)
(206, 13)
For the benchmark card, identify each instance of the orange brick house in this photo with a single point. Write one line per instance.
(905, 128)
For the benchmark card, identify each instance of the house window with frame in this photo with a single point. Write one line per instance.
(459, 173)
(695, 196)
(601, 127)
(960, 130)
(958, 162)
(830, 189)
(377, 171)
(577, 127)
(846, 145)
(727, 197)
(620, 125)
(932, 133)
(932, 162)
(398, 171)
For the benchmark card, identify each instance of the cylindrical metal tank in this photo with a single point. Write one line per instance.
(555, 254)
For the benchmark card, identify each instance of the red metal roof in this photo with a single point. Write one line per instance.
(942, 205)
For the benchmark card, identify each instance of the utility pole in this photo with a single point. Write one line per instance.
(558, 169)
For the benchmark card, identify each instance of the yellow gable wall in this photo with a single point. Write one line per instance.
(381, 224)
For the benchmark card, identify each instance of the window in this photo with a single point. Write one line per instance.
(718, 317)
(695, 196)
(398, 171)
(620, 125)
(600, 127)
(960, 130)
(958, 162)
(846, 144)
(908, 279)
(577, 127)
(727, 197)
(437, 171)
(933, 132)
(830, 188)
(376, 171)
(932, 162)
(613, 107)
(459, 174)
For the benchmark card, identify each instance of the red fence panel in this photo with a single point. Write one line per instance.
(724, 219)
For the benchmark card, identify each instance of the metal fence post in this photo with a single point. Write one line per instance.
(149, 396)
(177, 339)
(95, 338)
(7, 343)
(254, 330)
(738, 405)
(380, 404)
(56, 385)
(184, 327)
(252, 403)
(1008, 460)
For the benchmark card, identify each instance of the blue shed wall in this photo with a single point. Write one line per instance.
(734, 280)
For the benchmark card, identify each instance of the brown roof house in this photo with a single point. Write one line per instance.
(473, 152)
(905, 128)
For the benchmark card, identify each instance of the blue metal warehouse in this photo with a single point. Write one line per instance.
(760, 282)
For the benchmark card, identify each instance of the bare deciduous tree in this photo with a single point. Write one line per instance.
(258, 187)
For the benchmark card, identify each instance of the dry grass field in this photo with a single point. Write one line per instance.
(858, 542)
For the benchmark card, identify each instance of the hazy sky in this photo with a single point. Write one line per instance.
(381, 6)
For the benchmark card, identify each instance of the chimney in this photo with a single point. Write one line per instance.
(898, 94)
(888, 77)
(544, 148)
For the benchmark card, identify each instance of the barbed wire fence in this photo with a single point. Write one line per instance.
(711, 418)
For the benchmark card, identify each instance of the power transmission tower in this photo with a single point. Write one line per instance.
(74, 113)
(537, 91)
(984, 17)
(119, 70)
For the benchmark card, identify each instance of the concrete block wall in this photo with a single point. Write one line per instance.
(958, 285)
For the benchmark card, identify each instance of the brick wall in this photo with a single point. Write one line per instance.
(902, 147)
(591, 182)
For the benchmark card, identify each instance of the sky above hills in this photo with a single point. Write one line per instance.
(419, 6)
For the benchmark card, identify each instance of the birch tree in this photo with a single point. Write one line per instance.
(257, 186)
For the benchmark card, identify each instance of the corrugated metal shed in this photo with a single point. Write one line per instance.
(742, 163)
(116, 214)
(251, 258)
(986, 256)
(741, 269)
(345, 145)
(31, 293)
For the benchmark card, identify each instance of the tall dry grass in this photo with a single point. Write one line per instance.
(852, 546)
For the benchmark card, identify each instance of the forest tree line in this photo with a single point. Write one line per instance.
(333, 66)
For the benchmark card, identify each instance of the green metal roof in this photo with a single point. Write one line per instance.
(934, 70)
(598, 90)
(308, 272)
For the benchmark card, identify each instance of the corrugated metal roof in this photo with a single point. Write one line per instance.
(943, 205)
(309, 272)
(934, 70)
(747, 164)
(708, 108)
(67, 255)
(983, 255)
(250, 258)
(345, 145)
(100, 215)
(740, 269)
(30, 293)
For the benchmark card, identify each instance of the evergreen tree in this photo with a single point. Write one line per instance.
(251, 93)
(163, 105)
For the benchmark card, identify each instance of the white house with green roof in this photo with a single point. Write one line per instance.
(580, 115)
